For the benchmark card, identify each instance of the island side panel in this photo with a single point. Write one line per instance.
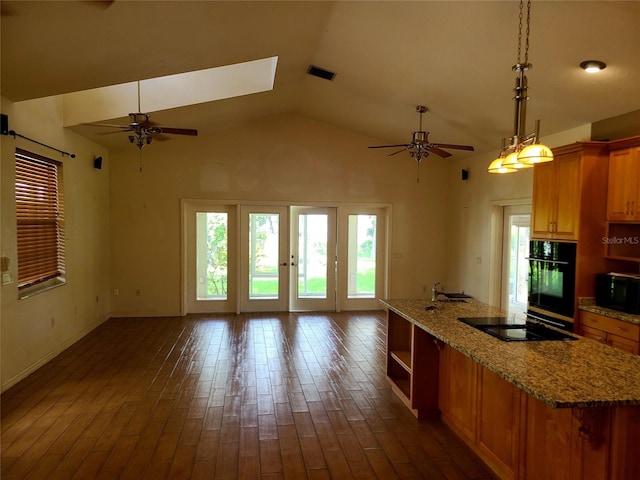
(424, 381)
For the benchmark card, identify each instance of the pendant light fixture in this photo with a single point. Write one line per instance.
(521, 150)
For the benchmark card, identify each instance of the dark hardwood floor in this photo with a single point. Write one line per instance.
(256, 396)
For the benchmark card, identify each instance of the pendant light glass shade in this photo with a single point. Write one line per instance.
(521, 150)
(497, 166)
(513, 160)
(536, 153)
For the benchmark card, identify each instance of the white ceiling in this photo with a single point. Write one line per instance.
(453, 56)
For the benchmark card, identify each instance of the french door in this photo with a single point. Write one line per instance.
(209, 280)
(312, 264)
(265, 258)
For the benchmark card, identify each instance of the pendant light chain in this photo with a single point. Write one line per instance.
(521, 150)
(526, 45)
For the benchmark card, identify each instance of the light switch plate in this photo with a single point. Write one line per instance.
(7, 279)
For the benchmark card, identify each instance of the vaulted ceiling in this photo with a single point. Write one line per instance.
(455, 57)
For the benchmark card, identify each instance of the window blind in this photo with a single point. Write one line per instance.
(40, 218)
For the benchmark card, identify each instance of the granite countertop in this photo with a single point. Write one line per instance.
(562, 374)
(589, 305)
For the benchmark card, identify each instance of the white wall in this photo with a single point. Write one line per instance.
(286, 158)
(35, 329)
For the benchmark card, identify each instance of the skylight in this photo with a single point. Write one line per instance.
(170, 91)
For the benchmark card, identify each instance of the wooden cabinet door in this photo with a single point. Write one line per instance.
(458, 392)
(636, 182)
(544, 200)
(567, 211)
(499, 423)
(622, 193)
(548, 442)
(594, 334)
(556, 198)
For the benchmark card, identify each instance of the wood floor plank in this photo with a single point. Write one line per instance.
(224, 396)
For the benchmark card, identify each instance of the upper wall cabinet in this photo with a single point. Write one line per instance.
(623, 200)
(569, 193)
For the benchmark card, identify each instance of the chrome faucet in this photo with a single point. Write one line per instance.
(435, 292)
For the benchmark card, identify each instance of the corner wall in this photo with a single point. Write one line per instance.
(35, 329)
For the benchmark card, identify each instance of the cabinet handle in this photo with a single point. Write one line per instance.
(622, 329)
(633, 207)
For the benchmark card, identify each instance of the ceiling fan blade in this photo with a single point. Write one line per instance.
(108, 125)
(395, 153)
(122, 130)
(440, 153)
(177, 131)
(406, 145)
(455, 147)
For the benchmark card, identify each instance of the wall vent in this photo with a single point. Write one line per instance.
(321, 73)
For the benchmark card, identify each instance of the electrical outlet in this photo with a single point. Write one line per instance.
(116, 292)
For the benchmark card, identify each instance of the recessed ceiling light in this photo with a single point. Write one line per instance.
(593, 66)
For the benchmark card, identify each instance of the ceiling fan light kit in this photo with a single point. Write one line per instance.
(521, 151)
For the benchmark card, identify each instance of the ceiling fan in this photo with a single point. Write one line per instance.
(420, 145)
(143, 130)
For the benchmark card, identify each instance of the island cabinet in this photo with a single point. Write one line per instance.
(530, 410)
(483, 409)
(408, 346)
(573, 183)
(610, 331)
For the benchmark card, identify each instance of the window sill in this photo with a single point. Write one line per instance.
(41, 288)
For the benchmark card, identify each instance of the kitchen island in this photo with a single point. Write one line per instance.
(550, 409)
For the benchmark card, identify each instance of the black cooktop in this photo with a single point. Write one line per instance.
(515, 330)
(482, 322)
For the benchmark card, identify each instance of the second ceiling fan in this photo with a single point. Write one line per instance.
(420, 146)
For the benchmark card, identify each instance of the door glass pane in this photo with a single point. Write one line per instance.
(362, 256)
(211, 255)
(312, 255)
(264, 243)
(518, 264)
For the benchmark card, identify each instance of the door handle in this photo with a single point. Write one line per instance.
(283, 264)
(293, 264)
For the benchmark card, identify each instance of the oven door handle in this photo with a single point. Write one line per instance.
(559, 262)
(546, 320)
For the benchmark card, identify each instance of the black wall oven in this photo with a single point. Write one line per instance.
(552, 280)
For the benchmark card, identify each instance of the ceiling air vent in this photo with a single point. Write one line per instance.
(320, 72)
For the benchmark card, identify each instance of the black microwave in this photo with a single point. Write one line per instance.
(619, 291)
